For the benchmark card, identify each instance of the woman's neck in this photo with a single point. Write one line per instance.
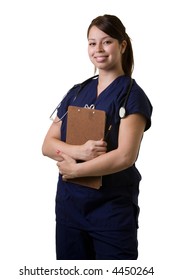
(105, 79)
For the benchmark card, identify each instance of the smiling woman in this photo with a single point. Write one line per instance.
(101, 223)
(104, 51)
(111, 32)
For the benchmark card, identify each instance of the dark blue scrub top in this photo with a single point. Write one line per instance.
(84, 207)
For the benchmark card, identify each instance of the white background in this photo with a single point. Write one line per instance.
(43, 52)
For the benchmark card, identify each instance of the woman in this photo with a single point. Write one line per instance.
(90, 223)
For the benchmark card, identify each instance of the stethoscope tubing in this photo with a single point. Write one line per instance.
(122, 110)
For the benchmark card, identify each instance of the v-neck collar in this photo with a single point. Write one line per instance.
(112, 84)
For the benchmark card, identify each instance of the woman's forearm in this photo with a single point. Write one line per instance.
(85, 152)
(105, 164)
(51, 147)
(130, 136)
(109, 163)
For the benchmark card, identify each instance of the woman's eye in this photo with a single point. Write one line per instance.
(107, 42)
(91, 44)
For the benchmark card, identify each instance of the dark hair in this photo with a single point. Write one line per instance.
(113, 26)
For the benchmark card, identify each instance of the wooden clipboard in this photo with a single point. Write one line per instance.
(85, 124)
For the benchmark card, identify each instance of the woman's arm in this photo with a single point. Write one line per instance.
(130, 134)
(52, 144)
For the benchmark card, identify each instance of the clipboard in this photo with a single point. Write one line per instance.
(85, 124)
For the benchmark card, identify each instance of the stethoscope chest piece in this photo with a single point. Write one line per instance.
(122, 112)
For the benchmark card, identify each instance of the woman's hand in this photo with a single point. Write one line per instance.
(92, 149)
(66, 166)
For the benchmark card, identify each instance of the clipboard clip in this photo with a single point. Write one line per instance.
(92, 106)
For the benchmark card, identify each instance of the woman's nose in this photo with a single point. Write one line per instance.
(99, 48)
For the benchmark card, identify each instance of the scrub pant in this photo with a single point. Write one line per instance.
(77, 244)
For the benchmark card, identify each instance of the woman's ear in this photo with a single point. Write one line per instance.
(123, 46)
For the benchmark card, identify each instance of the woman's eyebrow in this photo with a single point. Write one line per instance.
(106, 37)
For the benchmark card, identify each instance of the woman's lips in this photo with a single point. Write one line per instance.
(100, 58)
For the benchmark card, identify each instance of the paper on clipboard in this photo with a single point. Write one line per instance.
(85, 124)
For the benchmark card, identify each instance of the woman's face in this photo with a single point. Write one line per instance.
(104, 51)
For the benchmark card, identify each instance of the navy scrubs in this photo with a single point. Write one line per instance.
(101, 224)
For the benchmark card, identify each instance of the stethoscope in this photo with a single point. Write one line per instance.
(122, 110)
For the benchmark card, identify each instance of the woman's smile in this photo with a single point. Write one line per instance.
(100, 58)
